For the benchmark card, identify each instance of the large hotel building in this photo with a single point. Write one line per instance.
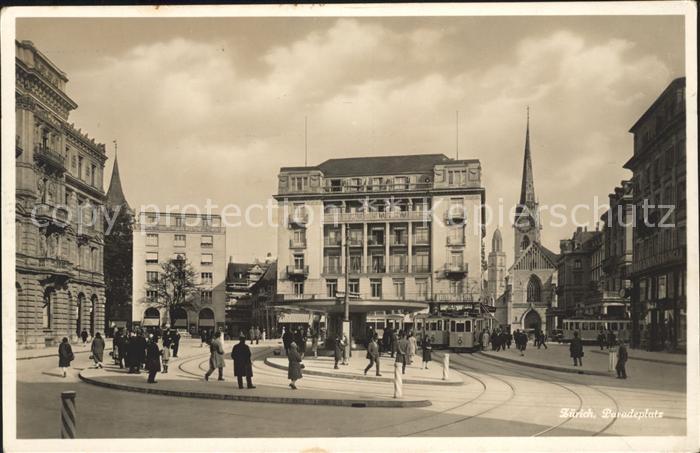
(58, 210)
(198, 239)
(412, 227)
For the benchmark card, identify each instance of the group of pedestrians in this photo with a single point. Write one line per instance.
(299, 337)
(520, 338)
(255, 334)
(404, 346)
(242, 360)
(606, 339)
(498, 338)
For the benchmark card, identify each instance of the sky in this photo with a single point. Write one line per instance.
(211, 108)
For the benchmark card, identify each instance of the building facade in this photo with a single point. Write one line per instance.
(578, 268)
(201, 241)
(659, 258)
(532, 279)
(408, 230)
(240, 278)
(58, 216)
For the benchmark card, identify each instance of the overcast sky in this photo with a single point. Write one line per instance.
(211, 108)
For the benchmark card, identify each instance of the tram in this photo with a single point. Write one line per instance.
(589, 329)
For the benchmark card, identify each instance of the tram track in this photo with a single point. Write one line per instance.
(534, 374)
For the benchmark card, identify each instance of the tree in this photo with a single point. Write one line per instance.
(176, 287)
(118, 265)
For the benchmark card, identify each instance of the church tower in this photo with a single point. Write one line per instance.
(496, 280)
(527, 219)
(118, 253)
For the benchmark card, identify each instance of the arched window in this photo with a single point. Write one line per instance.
(534, 289)
(525, 243)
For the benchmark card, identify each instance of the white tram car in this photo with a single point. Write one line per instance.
(588, 329)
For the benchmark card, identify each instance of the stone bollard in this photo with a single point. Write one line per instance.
(612, 353)
(68, 415)
(398, 380)
(446, 367)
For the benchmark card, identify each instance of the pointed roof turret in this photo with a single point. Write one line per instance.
(497, 242)
(115, 194)
(527, 189)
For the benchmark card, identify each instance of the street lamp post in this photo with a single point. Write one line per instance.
(346, 317)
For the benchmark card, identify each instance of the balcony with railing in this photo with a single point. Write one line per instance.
(454, 297)
(674, 256)
(455, 241)
(332, 269)
(332, 241)
(421, 240)
(420, 268)
(297, 272)
(456, 269)
(398, 268)
(455, 215)
(50, 214)
(376, 268)
(298, 218)
(355, 242)
(297, 244)
(55, 266)
(397, 187)
(369, 216)
(49, 157)
(399, 240)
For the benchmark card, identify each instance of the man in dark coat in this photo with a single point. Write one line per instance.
(287, 339)
(137, 352)
(242, 364)
(621, 361)
(84, 336)
(175, 342)
(338, 350)
(386, 339)
(167, 337)
(576, 350)
(152, 359)
(65, 355)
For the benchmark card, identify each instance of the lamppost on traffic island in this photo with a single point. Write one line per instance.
(346, 317)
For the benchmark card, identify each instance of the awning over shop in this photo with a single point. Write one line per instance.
(206, 323)
(294, 318)
(151, 322)
(180, 322)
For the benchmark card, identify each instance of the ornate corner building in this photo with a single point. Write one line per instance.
(59, 199)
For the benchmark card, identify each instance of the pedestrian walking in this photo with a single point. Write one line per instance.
(242, 364)
(611, 339)
(251, 334)
(412, 347)
(115, 347)
(485, 340)
(402, 346)
(346, 349)
(314, 343)
(541, 341)
(394, 343)
(338, 350)
(386, 340)
(373, 354)
(152, 359)
(602, 340)
(621, 361)
(257, 335)
(427, 352)
(97, 350)
(175, 342)
(216, 357)
(576, 350)
(122, 346)
(295, 366)
(509, 341)
(264, 335)
(203, 337)
(84, 336)
(287, 339)
(65, 355)
(165, 356)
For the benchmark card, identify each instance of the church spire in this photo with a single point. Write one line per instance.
(115, 194)
(527, 189)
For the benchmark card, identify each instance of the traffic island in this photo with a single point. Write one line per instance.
(324, 366)
(174, 384)
(543, 358)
